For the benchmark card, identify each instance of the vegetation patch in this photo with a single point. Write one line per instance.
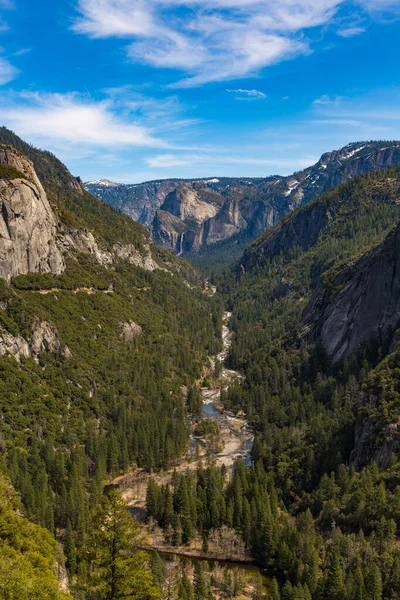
(7, 172)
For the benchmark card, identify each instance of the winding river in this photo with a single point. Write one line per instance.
(237, 437)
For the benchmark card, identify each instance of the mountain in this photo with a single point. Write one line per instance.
(346, 312)
(101, 332)
(232, 207)
(27, 222)
(332, 253)
(316, 321)
(318, 294)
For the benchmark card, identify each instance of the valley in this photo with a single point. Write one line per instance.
(199, 300)
(249, 421)
(234, 438)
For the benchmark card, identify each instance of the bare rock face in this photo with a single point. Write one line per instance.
(366, 448)
(169, 232)
(133, 256)
(138, 201)
(83, 240)
(27, 222)
(361, 305)
(16, 346)
(130, 331)
(45, 338)
(189, 204)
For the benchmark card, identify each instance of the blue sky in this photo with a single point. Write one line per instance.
(145, 89)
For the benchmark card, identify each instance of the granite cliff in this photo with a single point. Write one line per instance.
(359, 305)
(228, 207)
(28, 226)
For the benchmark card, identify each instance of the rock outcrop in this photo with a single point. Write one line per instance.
(44, 338)
(130, 331)
(27, 222)
(358, 306)
(368, 445)
(137, 201)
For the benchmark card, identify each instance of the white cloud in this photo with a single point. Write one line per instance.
(7, 71)
(373, 116)
(326, 99)
(350, 31)
(56, 120)
(209, 161)
(210, 40)
(250, 94)
(379, 5)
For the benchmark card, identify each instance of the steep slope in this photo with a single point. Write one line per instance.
(95, 352)
(29, 556)
(359, 305)
(301, 230)
(321, 286)
(27, 222)
(314, 316)
(245, 206)
(137, 201)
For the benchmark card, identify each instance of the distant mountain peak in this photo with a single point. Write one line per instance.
(103, 183)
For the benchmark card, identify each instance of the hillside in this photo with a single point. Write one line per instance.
(315, 314)
(236, 209)
(100, 334)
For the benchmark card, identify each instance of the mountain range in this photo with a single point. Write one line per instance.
(187, 216)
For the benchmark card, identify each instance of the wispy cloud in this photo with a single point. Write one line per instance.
(373, 116)
(326, 99)
(56, 120)
(248, 94)
(351, 31)
(7, 71)
(214, 40)
(209, 161)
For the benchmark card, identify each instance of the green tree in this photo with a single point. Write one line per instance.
(274, 590)
(70, 549)
(200, 583)
(116, 568)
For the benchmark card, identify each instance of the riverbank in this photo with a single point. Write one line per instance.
(235, 437)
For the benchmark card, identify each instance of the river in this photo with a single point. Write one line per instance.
(236, 435)
(249, 571)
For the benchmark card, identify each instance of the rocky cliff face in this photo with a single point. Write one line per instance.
(140, 202)
(302, 228)
(214, 210)
(359, 305)
(27, 222)
(44, 338)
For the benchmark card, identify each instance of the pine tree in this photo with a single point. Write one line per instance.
(287, 591)
(258, 592)
(274, 590)
(185, 588)
(200, 583)
(335, 588)
(116, 569)
(69, 549)
(374, 583)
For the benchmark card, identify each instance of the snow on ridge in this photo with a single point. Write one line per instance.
(103, 182)
(352, 153)
(292, 185)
